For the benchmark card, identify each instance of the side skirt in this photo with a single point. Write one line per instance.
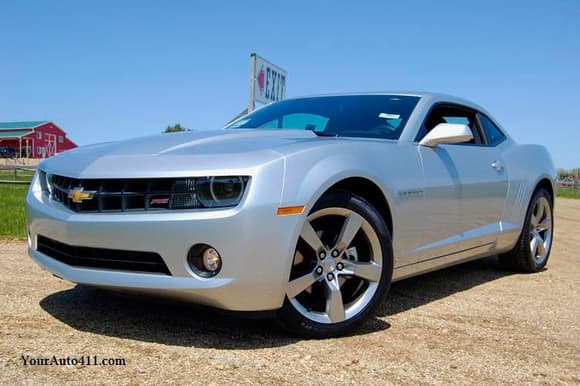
(436, 263)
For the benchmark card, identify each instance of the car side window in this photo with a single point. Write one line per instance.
(492, 132)
(452, 114)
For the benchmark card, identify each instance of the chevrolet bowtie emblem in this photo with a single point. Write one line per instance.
(79, 195)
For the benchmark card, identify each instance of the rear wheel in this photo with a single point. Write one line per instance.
(342, 268)
(532, 250)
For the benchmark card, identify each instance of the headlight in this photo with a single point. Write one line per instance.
(207, 192)
(45, 180)
(220, 191)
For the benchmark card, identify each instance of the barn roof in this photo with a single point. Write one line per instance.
(21, 125)
(14, 134)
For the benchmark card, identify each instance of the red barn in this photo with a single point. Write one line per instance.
(35, 139)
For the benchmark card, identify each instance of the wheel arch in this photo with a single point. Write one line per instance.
(547, 184)
(368, 190)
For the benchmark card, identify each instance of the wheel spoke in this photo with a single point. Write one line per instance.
(540, 243)
(334, 306)
(534, 245)
(534, 221)
(367, 271)
(309, 235)
(545, 225)
(349, 229)
(540, 210)
(298, 285)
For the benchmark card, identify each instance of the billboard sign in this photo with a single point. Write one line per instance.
(268, 81)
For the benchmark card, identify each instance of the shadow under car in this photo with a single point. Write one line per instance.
(148, 319)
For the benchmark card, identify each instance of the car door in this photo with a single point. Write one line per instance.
(465, 186)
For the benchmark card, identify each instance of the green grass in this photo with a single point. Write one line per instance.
(569, 193)
(12, 211)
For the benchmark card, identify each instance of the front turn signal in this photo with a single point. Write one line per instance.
(289, 210)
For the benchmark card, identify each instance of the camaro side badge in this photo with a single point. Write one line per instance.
(411, 193)
(79, 195)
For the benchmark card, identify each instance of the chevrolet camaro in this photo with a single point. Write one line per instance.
(307, 209)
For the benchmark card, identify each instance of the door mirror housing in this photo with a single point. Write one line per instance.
(447, 133)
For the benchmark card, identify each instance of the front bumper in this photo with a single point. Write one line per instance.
(256, 247)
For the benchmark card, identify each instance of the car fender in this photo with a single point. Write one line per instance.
(308, 176)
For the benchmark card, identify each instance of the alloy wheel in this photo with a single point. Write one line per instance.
(337, 266)
(541, 230)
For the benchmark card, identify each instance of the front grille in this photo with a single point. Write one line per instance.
(122, 195)
(115, 259)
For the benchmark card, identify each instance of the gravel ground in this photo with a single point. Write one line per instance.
(468, 324)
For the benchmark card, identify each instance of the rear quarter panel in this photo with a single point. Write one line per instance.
(526, 166)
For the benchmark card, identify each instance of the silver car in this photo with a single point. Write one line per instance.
(307, 208)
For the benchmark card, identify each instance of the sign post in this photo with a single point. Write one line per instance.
(267, 82)
(252, 104)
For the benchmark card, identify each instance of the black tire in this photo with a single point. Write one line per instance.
(521, 258)
(295, 322)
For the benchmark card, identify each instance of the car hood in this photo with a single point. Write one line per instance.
(177, 154)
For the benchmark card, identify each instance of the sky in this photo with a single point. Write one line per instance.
(109, 70)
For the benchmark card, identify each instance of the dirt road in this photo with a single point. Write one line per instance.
(469, 324)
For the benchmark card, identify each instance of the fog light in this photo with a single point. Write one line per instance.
(204, 260)
(211, 260)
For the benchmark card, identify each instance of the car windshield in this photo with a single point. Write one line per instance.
(373, 116)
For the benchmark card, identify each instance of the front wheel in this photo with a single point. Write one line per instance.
(342, 268)
(532, 250)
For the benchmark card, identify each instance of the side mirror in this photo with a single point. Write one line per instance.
(447, 133)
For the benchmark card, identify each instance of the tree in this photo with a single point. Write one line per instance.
(175, 128)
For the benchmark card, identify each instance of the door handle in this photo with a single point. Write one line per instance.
(496, 165)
